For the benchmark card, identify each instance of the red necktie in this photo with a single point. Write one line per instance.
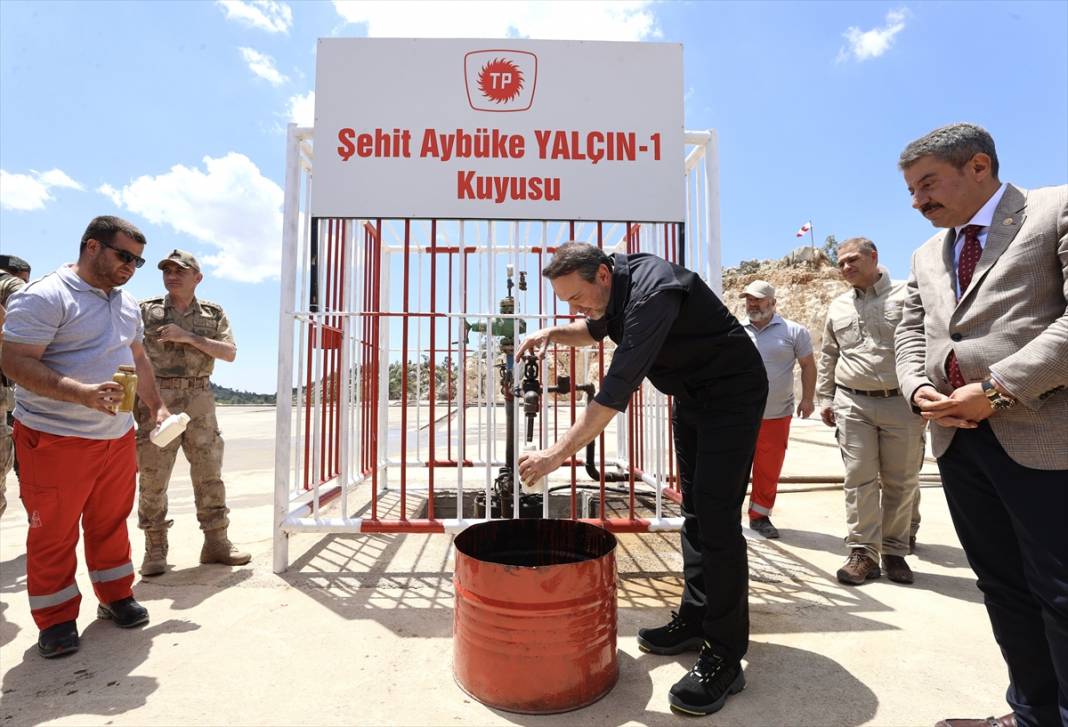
(969, 257)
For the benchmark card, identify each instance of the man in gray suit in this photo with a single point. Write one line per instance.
(982, 351)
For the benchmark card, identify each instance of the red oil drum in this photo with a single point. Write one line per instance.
(534, 630)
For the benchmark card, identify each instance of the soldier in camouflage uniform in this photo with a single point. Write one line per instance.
(14, 274)
(183, 337)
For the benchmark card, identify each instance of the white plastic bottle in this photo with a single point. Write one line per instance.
(169, 429)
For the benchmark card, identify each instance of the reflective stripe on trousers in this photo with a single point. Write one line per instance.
(111, 574)
(54, 599)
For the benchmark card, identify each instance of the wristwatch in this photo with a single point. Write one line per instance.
(997, 400)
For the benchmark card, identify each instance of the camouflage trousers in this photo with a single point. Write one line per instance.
(203, 447)
(7, 445)
(7, 457)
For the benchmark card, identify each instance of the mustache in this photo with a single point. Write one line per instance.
(930, 206)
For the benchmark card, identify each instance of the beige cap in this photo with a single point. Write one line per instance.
(759, 289)
(180, 257)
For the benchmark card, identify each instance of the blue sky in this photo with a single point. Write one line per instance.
(173, 115)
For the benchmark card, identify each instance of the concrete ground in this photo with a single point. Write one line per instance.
(358, 630)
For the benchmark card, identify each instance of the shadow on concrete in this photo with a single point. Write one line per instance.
(97, 680)
(626, 704)
(958, 587)
(781, 679)
(947, 556)
(350, 575)
(189, 587)
(812, 540)
(12, 581)
(356, 577)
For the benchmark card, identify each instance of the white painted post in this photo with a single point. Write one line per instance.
(283, 403)
(715, 239)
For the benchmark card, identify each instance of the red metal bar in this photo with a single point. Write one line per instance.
(365, 372)
(574, 475)
(376, 282)
(308, 400)
(324, 304)
(574, 383)
(402, 526)
(433, 366)
(448, 391)
(600, 380)
(674, 494)
(335, 353)
(404, 373)
(630, 454)
(671, 446)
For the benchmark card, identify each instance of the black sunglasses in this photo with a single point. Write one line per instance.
(124, 255)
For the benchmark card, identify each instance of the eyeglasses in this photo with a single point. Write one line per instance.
(124, 255)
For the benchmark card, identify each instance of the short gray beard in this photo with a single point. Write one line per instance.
(761, 316)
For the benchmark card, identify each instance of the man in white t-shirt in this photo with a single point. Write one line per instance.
(781, 343)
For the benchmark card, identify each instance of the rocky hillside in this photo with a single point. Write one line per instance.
(804, 285)
(803, 289)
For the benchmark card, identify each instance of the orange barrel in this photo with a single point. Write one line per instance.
(534, 630)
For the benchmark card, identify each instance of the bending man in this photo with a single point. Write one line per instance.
(670, 327)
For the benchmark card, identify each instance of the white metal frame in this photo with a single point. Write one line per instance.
(297, 510)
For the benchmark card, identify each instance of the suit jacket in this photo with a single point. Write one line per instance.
(1012, 321)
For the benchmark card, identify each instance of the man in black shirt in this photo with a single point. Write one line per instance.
(669, 327)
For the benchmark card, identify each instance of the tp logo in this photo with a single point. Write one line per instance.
(500, 80)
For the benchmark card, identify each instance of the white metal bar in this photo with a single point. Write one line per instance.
(283, 425)
(293, 524)
(715, 236)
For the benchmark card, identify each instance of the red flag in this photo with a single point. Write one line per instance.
(805, 229)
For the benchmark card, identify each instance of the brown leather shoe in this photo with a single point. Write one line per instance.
(859, 568)
(1009, 720)
(897, 569)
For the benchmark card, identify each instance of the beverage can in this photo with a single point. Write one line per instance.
(126, 377)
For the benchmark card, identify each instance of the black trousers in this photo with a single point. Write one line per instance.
(1013, 524)
(714, 448)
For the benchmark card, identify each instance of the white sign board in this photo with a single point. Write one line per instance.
(498, 129)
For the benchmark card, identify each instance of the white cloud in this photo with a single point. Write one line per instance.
(269, 15)
(554, 19)
(865, 44)
(301, 109)
(111, 193)
(26, 192)
(229, 205)
(263, 66)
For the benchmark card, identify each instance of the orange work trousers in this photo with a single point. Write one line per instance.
(63, 480)
(767, 465)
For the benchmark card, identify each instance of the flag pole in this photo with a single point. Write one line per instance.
(812, 236)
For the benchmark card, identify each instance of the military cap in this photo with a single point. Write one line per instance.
(182, 258)
(14, 264)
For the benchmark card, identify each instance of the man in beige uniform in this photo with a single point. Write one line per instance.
(14, 274)
(183, 337)
(881, 439)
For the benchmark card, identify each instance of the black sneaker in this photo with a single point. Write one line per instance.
(678, 636)
(126, 613)
(763, 526)
(58, 640)
(707, 685)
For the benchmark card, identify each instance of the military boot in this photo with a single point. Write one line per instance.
(218, 549)
(155, 561)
